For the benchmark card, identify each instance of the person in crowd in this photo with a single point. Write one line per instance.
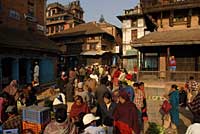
(126, 115)
(61, 82)
(182, 97)
(72, 74)
(36, 73)
(82, 73)
(144, 108)
(81, 92)
(89, 121)
(101, 89)
(122, 75)
(135, 72)
(11, 89)
(115, 96)
(31, 97)
(194, 107)
(76, 78)
(192, 87)
(172, 67)
(115, 74)
(138, 100)
(4, 98)
(70, 90)
(101, 71)
(174, 101)
(172, 63)
(61, 124)
(193, 128)
(94, 76)
(14, 120)
(128, 89)
(107, 110)
(92, 102)
(78, 107)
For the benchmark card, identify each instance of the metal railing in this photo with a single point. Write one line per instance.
(167, 75)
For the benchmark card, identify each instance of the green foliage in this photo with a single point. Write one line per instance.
(155, 129)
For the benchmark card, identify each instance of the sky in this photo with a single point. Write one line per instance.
(108, 8)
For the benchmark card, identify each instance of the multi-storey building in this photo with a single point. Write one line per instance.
(178, 28)
(89, 43)
(22, 42)
(133, 27)
(60, 17)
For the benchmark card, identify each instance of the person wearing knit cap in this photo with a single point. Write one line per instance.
(126, 116)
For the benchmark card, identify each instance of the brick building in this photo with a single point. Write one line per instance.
(176, 27)
(89, 43)
(62, 17)
(22, 42)
(133, 28)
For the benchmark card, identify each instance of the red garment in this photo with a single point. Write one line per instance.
(129, 77)
(77, 109)
(123, 127)
(126, 116)
(2, 101)
(172, 62)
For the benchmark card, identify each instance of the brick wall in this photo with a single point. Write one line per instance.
(13, 14)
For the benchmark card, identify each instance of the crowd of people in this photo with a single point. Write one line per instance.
(98, 99)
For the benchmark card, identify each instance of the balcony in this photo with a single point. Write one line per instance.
(163, 5)
(55, 22)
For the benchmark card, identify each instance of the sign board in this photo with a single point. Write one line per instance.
(40, 27)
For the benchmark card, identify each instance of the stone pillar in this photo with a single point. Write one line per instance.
(28, 71)
(15, 69)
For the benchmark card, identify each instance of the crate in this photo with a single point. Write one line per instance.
(36, 128)
(36, 114)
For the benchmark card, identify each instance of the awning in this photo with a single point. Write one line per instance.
(93, 53)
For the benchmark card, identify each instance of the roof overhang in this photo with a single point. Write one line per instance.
(93, 53)
(149, 44)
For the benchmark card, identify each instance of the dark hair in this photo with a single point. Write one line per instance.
(135, 84)
(104, 80)
(60, 115)
(107, 95)
(141, 83)
(78, 97)
(174, 86)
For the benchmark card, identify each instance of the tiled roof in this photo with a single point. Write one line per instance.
(13, 38)
(82, 29)
(174, 37)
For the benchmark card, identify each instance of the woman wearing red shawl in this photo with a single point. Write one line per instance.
(77, 108)
(126, 116)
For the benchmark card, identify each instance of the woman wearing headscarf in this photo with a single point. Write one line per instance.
(126, 116)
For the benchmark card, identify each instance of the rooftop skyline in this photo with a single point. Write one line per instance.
(93, 9)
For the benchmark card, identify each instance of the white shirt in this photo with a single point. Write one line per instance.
(193, 129)
(36, 70)
(94, 130)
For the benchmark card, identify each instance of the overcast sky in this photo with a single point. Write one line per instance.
(109, 8)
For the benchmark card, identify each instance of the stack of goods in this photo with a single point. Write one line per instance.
(35, 118)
